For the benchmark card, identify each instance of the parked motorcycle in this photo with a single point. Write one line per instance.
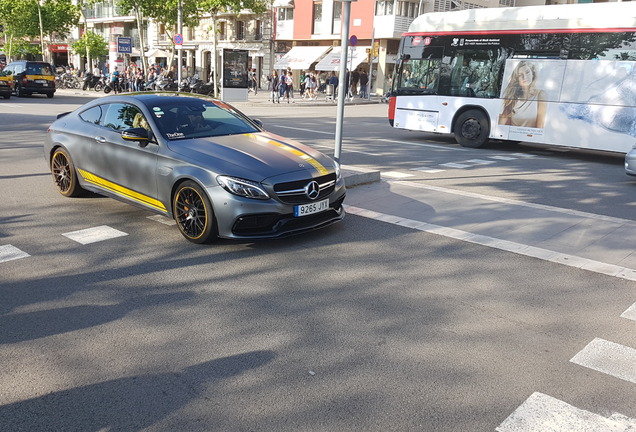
(165, 84)
(101, 83)
(90, 81)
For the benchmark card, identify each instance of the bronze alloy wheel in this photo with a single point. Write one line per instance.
(193, 213)
(64, 176)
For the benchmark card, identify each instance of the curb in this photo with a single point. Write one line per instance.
(355, 176)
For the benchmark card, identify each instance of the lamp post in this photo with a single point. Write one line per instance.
(178, 47)
(342, 91)
(41, 30)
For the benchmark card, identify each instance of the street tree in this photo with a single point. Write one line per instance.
(92, 44)
(21, 19)
(167, 13)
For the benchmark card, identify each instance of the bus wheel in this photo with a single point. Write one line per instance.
(472, 129)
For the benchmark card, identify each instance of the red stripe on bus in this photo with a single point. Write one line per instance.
(526, 31)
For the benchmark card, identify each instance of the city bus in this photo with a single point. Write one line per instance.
(560, 74)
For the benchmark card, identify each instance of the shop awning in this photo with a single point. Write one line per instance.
(331, 62)
(301, 57)
(157, 53)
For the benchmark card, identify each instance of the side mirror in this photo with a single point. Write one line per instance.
(259, 123)
(140, 135)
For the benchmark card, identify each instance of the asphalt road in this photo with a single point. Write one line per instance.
(365, 325)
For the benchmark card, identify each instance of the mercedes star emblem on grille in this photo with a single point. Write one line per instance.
(312, 190)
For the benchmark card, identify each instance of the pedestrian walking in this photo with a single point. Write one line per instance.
(311, 85)
(273, 86)
(289, 86)
(282, 85)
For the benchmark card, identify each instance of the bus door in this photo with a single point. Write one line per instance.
(415, 88)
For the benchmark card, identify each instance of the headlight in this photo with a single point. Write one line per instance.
(241, 187)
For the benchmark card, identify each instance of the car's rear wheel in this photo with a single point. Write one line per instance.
(64, 175)
(472, 129)
(193, 213)
(50, 95)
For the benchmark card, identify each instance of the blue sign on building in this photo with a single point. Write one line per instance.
(124, 45)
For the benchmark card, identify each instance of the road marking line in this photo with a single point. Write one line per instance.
(428, 170)
(524, 155)
(93, 235)
(520, 203)
(455, 165)
(306, 130)
(10, 253)
(504, 158)
(505, 245)
(480, 162)
(543, 413)
(395, 174)
(630, 313)
(608, 357)
(435, 146)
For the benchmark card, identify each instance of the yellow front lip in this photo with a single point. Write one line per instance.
(122, 191)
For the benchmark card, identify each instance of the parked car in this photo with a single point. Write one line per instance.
(197, 160)
(32, 77)
(630, 162)
(6, 84)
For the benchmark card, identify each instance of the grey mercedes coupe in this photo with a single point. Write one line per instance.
(197, 160)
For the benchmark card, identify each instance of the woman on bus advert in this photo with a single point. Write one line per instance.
(524, 104)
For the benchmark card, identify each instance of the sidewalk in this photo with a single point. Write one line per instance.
(261, 98)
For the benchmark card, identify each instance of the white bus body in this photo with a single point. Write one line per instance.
(561, 74)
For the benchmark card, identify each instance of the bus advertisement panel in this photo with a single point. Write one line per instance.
(563, 82)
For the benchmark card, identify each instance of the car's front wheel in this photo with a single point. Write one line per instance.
(193, 213)
(64, 175)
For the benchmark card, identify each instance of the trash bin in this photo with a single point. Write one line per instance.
(329, 92)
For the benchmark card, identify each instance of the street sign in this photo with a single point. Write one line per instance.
(178, 39)
(353, 40)
(124, 45)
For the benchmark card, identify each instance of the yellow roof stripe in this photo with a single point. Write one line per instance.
(120, 190)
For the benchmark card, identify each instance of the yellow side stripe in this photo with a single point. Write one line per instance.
(311, 161)
(44, 77)
(130, 194)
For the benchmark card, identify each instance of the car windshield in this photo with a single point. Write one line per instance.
(192, 118)
(39, 69)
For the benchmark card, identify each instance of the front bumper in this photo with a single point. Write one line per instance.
(243, 218)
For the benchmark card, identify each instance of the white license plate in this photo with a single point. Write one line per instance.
(43, 82)
(307, 209)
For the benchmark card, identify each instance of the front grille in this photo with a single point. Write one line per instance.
(294, 192)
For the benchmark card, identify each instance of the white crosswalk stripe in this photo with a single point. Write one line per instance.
(543, 413)
(10, 253)
(93, 235)
(610, 358)
(630, 313)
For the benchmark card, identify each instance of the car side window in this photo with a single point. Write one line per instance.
(119, 116)
(92, 115)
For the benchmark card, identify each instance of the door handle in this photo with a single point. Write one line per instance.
(100, 139)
